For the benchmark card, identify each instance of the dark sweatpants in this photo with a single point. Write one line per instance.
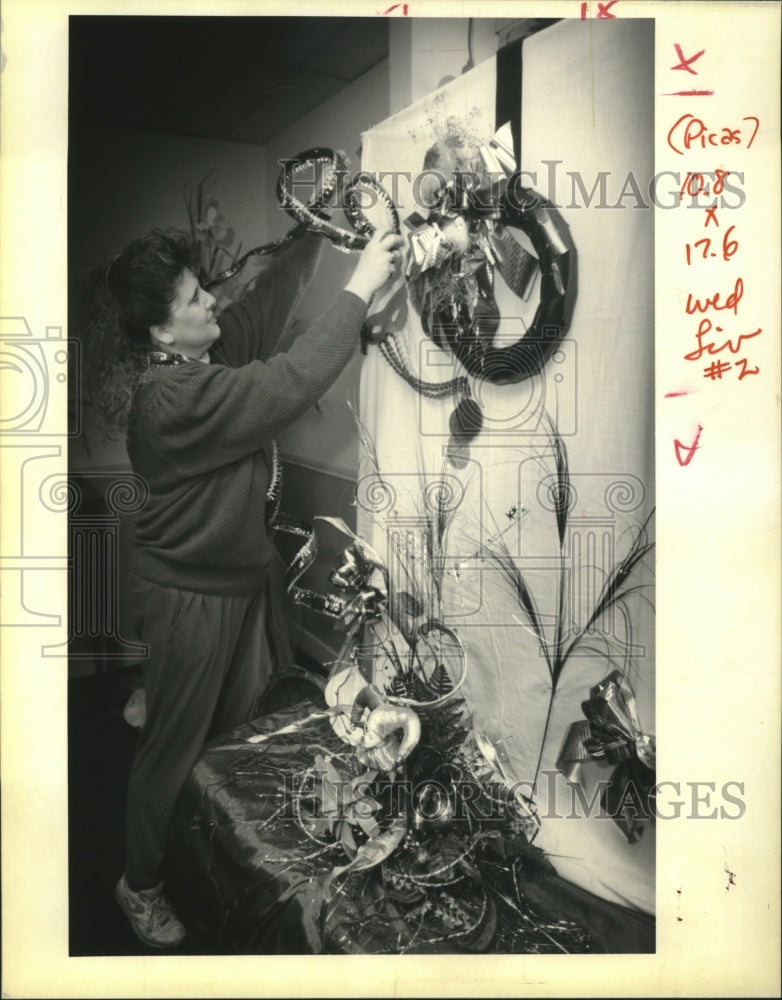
(209, 660)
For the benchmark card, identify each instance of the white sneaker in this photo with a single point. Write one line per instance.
(151, 915)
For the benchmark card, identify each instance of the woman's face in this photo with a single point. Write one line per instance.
(191, 328)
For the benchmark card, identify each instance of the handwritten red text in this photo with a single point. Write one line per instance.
(689, 132)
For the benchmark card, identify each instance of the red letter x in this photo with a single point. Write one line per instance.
(711, 215)
(604, 8)
(685, 63)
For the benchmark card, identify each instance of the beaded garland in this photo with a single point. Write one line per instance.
(164, 359)
(327, 604)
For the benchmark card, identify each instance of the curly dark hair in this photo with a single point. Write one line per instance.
(127, 296)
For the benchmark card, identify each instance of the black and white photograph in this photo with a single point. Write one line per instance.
(377, 591)
(393, 347)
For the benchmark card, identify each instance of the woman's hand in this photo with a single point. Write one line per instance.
(379, 260)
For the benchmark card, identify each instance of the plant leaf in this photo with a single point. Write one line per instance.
(615, 589)
(408, 604)
(524, 597)
(562, 492)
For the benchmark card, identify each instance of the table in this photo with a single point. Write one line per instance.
(250, 867)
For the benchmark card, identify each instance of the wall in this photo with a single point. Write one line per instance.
(123, 182)
(427, 52)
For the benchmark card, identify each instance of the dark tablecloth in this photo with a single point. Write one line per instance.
(247, 870)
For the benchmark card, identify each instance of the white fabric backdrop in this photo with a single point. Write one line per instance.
(587, 103)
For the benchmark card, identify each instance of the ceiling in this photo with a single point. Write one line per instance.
(242, 79)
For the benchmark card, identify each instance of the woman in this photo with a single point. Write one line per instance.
(201, 399)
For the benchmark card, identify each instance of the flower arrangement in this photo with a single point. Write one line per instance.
(412, 797)
(431, 819)
(209, 229)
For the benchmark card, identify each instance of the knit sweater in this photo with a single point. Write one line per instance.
(201, 434)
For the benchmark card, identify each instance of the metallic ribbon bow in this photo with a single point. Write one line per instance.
(462, 212)
(367, 603)
(363, 572)
(612, 733)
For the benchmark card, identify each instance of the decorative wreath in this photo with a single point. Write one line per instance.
(454, 294)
